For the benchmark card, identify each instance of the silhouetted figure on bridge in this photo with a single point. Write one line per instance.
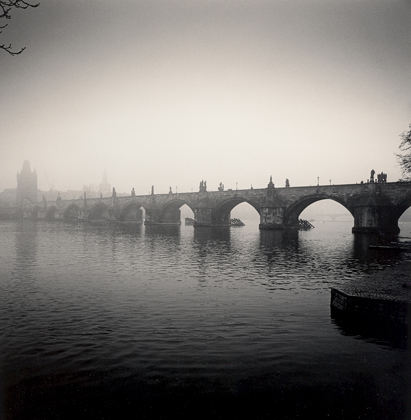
(133, 193)
(372, 176)
(221, 187)
(287, 183)
(203, 186)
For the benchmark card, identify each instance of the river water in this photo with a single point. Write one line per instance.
(114, 321)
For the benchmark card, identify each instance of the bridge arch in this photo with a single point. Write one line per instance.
(292, 213)
(402, 207)
(100, 211)
(221, 213)
(131, 212)
(170, 212)
(71, 212)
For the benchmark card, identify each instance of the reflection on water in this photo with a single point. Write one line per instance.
(373, 259)
(169, 231)
(278, 239)
(203, 235)
(170, 320)
(384, 333)
(26, 248)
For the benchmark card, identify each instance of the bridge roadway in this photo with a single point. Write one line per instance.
(376, 207)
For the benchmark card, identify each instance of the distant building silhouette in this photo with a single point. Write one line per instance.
(26, 185)
(104, 188)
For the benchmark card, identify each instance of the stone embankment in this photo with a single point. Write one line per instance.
(383, 296)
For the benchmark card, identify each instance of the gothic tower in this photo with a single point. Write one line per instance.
(104, 187)
(26, 185)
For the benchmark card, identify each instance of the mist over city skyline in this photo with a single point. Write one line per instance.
(169, 93)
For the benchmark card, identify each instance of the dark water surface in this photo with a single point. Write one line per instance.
(109, 321)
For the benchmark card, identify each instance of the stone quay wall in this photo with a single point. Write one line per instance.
(370, 308)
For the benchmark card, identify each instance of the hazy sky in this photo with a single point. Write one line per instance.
(168, 93)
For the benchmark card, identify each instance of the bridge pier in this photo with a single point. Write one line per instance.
(202, 217)
(151, 216)
(206, 217)
(221, 219)
(272, 212)
(273, 218)
(169, 217)
(375, 219)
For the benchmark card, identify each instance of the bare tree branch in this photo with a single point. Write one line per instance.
(405, 159)
(6, 6)
(10, 51)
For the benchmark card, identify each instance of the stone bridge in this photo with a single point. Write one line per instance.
(375, 207)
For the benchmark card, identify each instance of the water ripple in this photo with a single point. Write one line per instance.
(103, 303)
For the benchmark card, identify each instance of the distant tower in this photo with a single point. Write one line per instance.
(104, 188)
(26, 185)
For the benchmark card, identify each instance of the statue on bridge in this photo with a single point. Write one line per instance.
(114, 193)
(287, 183)
(152, 190)
(203, 186)
(270, 190)
(221, 187)
(382, 178)
(372, 176)
(133, 193)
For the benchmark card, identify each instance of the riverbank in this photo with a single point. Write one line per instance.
(385, 295)
(392, 283)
